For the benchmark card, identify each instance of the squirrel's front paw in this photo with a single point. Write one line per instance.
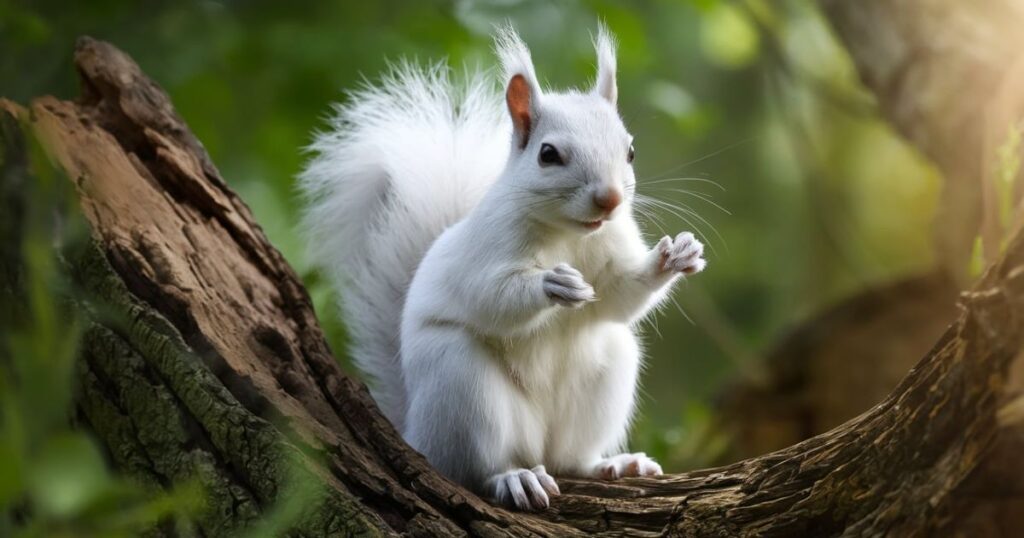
(636, 464)
(523, 489)
(565, 286)
(682, 255)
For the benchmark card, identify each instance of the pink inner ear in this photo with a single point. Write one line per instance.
(518, 98)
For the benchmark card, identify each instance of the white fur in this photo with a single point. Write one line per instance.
(516, 351)
(606, 86)
(402, 161)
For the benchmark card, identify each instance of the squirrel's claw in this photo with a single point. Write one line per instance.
(682, 255)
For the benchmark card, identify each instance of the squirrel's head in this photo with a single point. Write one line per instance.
(571, 156)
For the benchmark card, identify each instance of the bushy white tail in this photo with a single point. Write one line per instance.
(401, 161)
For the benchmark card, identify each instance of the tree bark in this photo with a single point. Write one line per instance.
(203, 360)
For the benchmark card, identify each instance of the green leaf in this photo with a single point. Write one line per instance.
(11, 470)
(705, 5)
(1008, 155)
(977, 263)
(728, 37)
(67, 476)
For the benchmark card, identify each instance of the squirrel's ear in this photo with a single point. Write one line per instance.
(520, 107)
(606, 86)
(523, 93)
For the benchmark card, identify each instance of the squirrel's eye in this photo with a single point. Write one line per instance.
(631, 154)
(549, 155)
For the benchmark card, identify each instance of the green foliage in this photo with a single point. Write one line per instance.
(977, 264)
(728, 37)
(1008, 154)
(296, 498)
(1004, 190)
(696, 442)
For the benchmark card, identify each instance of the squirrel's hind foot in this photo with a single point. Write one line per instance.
(623, 465)
(523, 489)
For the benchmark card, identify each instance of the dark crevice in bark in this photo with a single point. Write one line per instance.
(168, 432)
(100, 413)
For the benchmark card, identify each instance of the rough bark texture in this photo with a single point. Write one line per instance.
(204, 359)
(841, 361)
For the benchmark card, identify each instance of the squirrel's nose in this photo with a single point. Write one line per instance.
(608, 199)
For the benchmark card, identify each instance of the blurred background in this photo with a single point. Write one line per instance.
(748, 116)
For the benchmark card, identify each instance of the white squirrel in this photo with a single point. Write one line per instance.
(492, 272)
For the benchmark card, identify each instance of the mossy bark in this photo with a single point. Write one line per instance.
(203, 360)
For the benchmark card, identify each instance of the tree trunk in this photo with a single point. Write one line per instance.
(948, 75)
(213, 367)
